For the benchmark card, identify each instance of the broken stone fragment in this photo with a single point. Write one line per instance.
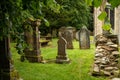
(105, 60)
(109, 68)
(99, 55)
(109, 43)
(97, 61)
(102, 66)
(100, 50)
(116, 53)
(96, 69)
(114, 45)
(106, 73)
(116, 73)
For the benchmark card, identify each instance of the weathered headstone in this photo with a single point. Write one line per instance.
(62, 55)
(84, 38)
(67, 35)
(107, 56)
(77, 35)
(72, 31)
(7, 71)
(32, 38)
(61, 31)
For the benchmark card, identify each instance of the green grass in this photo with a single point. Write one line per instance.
(79, 68)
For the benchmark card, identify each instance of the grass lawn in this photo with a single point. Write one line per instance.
(78, 69)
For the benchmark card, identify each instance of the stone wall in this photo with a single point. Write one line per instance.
(107, 57)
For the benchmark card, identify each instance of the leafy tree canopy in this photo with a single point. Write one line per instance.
(14, 12)
(72, 13)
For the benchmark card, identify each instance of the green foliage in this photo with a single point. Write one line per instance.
(54, 7)
(72, 13)
(97, 3)
(107, 25)
(102, 16)
(114, 3)
(89, 2)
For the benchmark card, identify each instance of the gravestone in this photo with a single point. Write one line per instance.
(61, 31)
(72, 31)
(67, 35)
(7, 71)
(107, 56)
(84, 38)
(77, 35)
(32, 38)
(62, 55)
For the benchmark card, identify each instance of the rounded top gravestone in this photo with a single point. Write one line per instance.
(84, 38)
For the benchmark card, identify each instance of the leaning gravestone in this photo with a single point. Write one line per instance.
(32, 37)
(107, 56)
(67, 35)
(62, 55)
(84, 38)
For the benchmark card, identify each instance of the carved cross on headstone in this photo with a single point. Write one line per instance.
(62, 56)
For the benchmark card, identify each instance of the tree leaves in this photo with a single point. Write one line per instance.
(53, 5)
(97, 3)
(106, 26)
(102, 16)
(114, 3)
(89, 2)
(46, 22)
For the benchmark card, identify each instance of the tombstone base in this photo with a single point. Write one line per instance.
(70, 48)
(60, 59)
(34, 58)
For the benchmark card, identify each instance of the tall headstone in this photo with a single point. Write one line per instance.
(32, 37)
(62, 55)
(84, 38)
(67, 35)
(107, 56)
(7, 71)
